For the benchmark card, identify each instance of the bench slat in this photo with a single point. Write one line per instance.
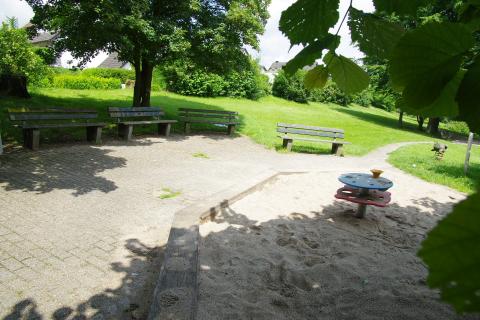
(140, 109)
(52, 110)
(135, 114)
(207, 111)
(299, 126)
(210, 121)
(311, 133)
(314, 140)
(192, 116)
(62, 125)
(50, 116)
(148, 122)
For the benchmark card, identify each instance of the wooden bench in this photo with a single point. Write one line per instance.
(291, 132)
(218, 117)
(127, 118)
(32, 121)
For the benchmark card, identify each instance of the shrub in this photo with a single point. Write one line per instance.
(122, 74)
(158, 81)
(330, 94)
(17, 56)
(84, 82)
(198, 83)
(458, 127)
(291, 87)
(186, 79)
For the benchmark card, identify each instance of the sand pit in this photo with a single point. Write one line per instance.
(290, 251)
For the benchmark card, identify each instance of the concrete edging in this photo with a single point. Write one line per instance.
(176, 291)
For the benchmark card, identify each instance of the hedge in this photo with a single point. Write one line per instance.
(84, 82)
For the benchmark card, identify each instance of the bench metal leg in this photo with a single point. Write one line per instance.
(337, 149)
(31, 138)
(288, 143)
(94, 134)
(164, 129)
(231, 129)
(187, 127)
(125, 131)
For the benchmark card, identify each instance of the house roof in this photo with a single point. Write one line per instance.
(276, 66)
(44, 37)
(112, 62)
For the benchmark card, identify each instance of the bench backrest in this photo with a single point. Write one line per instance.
(299, 129)
(213, 115)
(142, 112)
(53, 114)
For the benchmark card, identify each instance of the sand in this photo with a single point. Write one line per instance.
(291, 251)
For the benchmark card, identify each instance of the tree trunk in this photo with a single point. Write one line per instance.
(433, 126)
(147, 75)
(143, 84)
(137, 97)
(421, 121)
(14, 86)
(400, 119)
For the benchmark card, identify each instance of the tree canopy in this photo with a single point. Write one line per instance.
(147, 33)
(436, 68)
(18, 60)
(433, 65)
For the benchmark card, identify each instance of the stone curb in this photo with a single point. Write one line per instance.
(176, 291)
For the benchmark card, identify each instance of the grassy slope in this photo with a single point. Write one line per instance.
(366, 128)
(419, 161)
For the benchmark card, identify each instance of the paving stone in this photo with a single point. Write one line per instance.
(82, 219)
(34, 263)
(104, 246)
(5, 275)
(4, 231)
(11, 264)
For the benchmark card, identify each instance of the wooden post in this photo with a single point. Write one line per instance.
(469, 150)
(1, 145)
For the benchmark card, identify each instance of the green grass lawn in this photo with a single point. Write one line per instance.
(366, 128)
(419, 161)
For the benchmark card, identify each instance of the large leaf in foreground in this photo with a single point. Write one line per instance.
(375, 36)
(445, 105)
(311, 53)
(316, 78)
(401, 7)
(349, 77)
(427, 58)
(452, 253)
(469, 97)
(308, 20)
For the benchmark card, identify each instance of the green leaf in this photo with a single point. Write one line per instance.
(349, 77)
(452, 253)
(316, 78)
(444, 106)
(400, 7)
(427, 58)
(311, 53)
(374, 35)
(468, 96)
(469, 13)
(308, 20)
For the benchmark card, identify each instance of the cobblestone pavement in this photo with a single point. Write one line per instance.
(82, 228)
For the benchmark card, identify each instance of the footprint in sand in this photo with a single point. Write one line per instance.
(312, 244)
(284, 241)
